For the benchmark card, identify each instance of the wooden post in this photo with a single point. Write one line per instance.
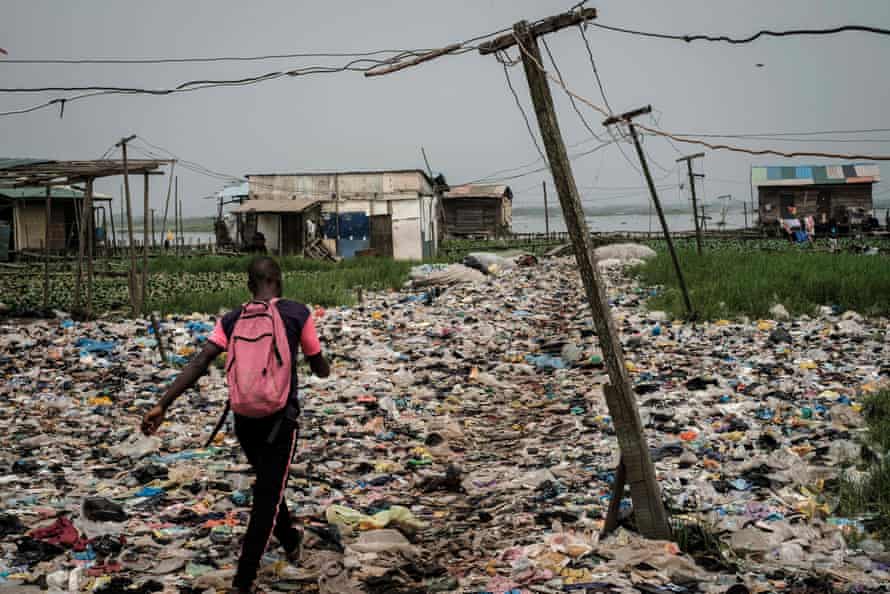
(145, 221)
(81, 247)
(154, 237)
(167, 202)
(91, 237)
(628, 117)
(745, 208)
(157, 329)
(688, 160)
(615, 503)
(648, 508)
(48, 215)
(131, 277)
(546, 211)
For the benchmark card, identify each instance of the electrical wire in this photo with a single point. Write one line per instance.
(743, 40)
(599, 82)
(192, 60)
(539, 169)
(698, 141)
(465, 46)
(528, 124)
(779, 134)
(571, 99)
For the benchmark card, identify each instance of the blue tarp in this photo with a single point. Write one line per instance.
(353, 225)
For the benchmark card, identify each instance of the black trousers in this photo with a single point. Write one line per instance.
(269, 514)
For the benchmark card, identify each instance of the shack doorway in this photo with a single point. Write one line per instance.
(381, 235)
(291, 234)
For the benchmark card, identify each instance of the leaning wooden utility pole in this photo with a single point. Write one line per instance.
(546, 210)
(131, 277)
(143, 296)
(688, 160)
(91, 237)
(167, 202)
(628, 119)
(46, 236)
(649, 510)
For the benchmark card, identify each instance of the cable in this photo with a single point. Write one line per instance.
(571, 99)
(261, 58)
(540, 169)
(522, 110)
(711, 146)
(599, 82)
(759, 34)
(775, 134)
(789, 139)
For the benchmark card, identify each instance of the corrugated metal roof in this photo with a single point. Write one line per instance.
(479, 191)
(283, 206)
(844, 173)
(12, 162)
(234, 191)
(39, 193)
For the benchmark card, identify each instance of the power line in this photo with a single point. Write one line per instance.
(539, 169)
(742, 40)
(463, 47)
(798, 139)
(528, 125)
(571, 99)
(776, 134)
(191, 60)
(596, 73)
(700, 142)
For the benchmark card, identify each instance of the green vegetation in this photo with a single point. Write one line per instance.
(309, 281)
(209, 283)
(869, 497)
(727, 283)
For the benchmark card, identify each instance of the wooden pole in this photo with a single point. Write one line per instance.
(167, 202)
(745, 208)
(154, 237)
(48, 215)
(157, 329)
(664, 225)
(546, 210)
(91, 231)
(180, 239)
(83, 231)
(134, 293)
(648, 508)
(688, 160)
(145, 221)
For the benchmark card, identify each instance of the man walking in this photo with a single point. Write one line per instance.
(262, 338)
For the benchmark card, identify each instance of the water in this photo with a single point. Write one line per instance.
(190, 237)
(532, 221)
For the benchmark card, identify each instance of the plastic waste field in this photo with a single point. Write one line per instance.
(461, 444)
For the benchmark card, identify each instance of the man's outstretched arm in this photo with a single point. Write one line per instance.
(319, 365)
(185, 380)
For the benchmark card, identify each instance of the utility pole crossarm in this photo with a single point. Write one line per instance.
(690, 157)
(548, 25)
(627, 116)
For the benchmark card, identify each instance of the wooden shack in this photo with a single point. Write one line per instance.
(837, 195)
(478, 211)
(390, 213)
(24, 211)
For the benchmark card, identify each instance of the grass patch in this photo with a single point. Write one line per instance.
(870, 496)
(308, 281)
(725, 284)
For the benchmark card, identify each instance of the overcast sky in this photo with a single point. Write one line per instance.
(459, 107)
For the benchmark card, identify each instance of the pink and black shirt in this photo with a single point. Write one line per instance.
(301, 334)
